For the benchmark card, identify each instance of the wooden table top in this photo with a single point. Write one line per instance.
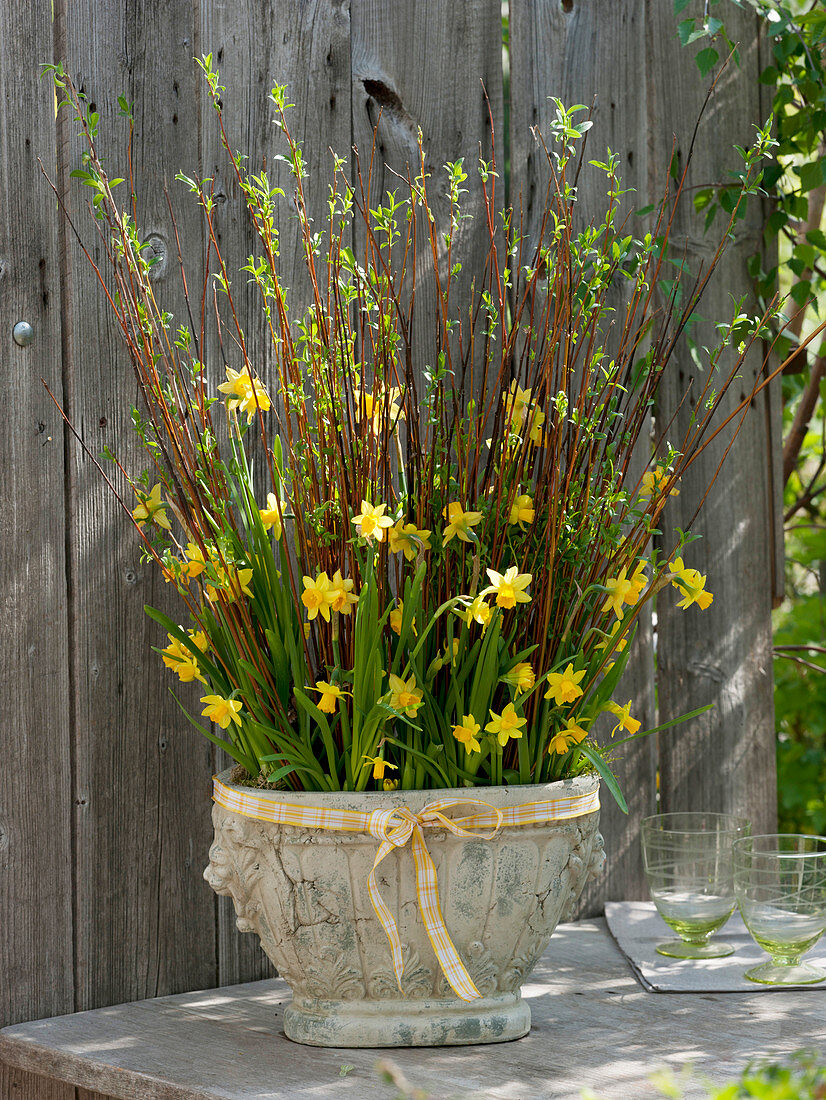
(594, 1028)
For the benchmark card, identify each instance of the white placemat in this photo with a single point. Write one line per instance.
(638, 928)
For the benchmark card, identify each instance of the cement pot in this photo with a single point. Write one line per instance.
(304, 891)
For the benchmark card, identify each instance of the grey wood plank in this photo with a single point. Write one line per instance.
(773, 405)
(593, 1028)
(145, 918)
(724, 760)
(17, 1084)
(257, 44)
(35, 799)
(583, 53)
(437, 68)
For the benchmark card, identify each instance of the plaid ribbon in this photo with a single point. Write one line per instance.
(393, 828)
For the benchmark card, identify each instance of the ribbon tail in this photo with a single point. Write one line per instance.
(426, 887)
(384, 914)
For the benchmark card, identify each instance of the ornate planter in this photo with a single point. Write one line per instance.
(304, 891)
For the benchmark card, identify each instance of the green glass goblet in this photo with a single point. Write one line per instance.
(780, 884)
(688, 864)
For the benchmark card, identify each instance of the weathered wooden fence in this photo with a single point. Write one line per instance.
(104, 797)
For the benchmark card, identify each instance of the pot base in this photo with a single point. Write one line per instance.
(409, 1023)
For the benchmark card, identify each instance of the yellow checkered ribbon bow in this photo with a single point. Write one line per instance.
(393, 828)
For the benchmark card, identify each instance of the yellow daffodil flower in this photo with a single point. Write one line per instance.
(626, 722)
(317, 596)
(506, 725)
(407, 539)
(459, 523)
(691, 584)
(638, 579)
(571, 734)
(271, 516)
(330, 695)
(653, 481)
(516, 402)
(522, 511)
(177, 657)
(231, 581)
(405, 697)
(199, 639)
(365, 402)
(563, 687)
(221, 711)
(195, 562)
(535, 432)
(379, 766)
(395, 620)
(151, 509)
(509, 587)
(375, 406)
(610, 642)
(621, 589)
(478, 611)
(521, 677)
(341, 596)
(467, 732)
(245, 392)
(372, 522)
(390, 784)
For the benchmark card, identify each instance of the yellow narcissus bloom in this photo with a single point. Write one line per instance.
(638, 579)
(516, 402)
(459, 523)
(653, 481)
(271, 516)
(395, 620)
(177, 657)
(221, 711)
(478, 611)
(521, 677)
(341, 596)
(245, 392)
(611, 643)
(563, 687)
(317, 596)
(372, 522)
(535, 422)
(230, 581)
(621, 589)
(151, 508)
(407, 539)
(330, 695)
(375, 405)
(379, 767)
(195, 563)
(522, 510)
(691, 583)
(390, 784)
(405, 697)
(626, 722)
(467, 732)
(506, 725)
(509, 587)
(571, 734)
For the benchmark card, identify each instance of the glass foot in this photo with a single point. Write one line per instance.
(680, 949)
(772, 973)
